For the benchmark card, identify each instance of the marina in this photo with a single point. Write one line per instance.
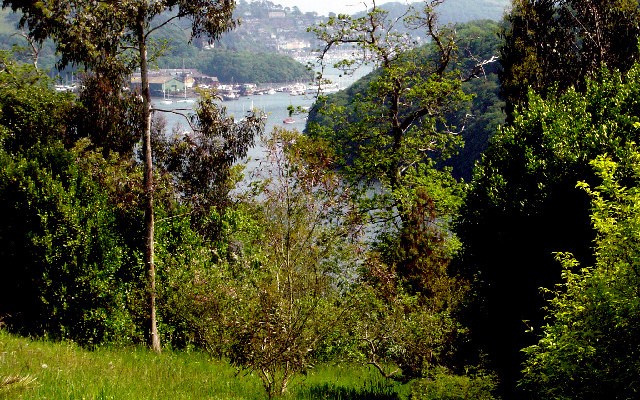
(274, 101)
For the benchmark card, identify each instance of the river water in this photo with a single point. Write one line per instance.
(274, 106)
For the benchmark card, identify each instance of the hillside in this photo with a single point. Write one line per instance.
(456, 11)
(485, 108)
(469, 10)
(250, 53)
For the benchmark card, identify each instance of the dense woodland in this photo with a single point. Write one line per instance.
(464, 219)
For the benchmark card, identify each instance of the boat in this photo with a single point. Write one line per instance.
(165, 98)
(185, 99)
(229, 95)
(288, 120)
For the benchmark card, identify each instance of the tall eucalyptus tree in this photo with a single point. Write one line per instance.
(113, 38)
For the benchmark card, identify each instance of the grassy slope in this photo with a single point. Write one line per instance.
(65, 371)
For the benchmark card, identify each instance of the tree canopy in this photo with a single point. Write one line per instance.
(390, 140)
(523, 204)
(551, 45)
(588, 348)
(113, 39)
(476, 41)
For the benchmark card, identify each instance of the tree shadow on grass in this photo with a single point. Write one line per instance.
(329, 391)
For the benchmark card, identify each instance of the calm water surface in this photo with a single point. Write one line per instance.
(274, 106)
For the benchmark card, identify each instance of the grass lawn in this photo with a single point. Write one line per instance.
(44, 370)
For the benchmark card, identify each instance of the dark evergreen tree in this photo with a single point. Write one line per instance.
(551, 45)
(523, 206)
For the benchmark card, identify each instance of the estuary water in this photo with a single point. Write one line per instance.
(274, 106)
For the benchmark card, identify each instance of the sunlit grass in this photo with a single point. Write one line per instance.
(45, 370)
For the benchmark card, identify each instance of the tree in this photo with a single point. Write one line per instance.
(251, 67)
(476, 41)
(30, 112)
(112, 39)
(551, 45)
(390, 146)
(400, 122)
(589, 346)
(59, 237)
(523, 205)
(109, 118)
(200, 162)
(288, 297)
(61, 248)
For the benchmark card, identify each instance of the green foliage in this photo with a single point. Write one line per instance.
(288, 296)
(589, 346)
(30, 112)
(480, 117)
(552, 45)
(396, 127)
(201, 162)
(455, 11)
(108, 116)
(188, 276)
(114, 39)
(65, 266)
(390, 138)
(81, 39)
(401, 334)
(252, 67)
(523, 205)
(442, 385)
(11, 38)
(69, 271)
(408, 301)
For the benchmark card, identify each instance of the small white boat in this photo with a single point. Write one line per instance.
(289, 120)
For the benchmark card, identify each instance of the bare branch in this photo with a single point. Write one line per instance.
(373, 359)
(35, 48)
(478, 70)
(178, 111)
(162, 24)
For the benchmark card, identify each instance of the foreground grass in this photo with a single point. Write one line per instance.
(44, 370)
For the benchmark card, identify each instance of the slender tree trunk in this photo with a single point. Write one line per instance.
(154, 339)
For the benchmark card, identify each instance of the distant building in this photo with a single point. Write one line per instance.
(277, 14)
(165, 82)
(159, 85)
(294, 45)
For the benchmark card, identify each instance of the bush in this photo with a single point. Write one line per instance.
(66, 271)
(442, 385)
